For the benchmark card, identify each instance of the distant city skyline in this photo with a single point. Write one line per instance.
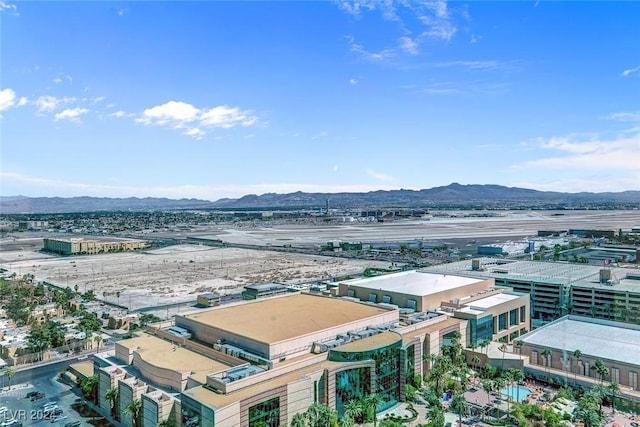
(222, 99)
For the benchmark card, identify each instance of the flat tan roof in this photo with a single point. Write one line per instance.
(83, 368)
(408, 336)
(216, 400)
(165, 354)
(277, 319)
(371, 343)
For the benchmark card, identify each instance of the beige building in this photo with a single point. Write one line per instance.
(83, 246)
(417, 290)
(616, 344)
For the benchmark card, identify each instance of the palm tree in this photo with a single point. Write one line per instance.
(9, 373)
(298, 420)
(166, 423)
(577, 354)
(601, 369)
(614, 388)
(485, 344)
(372, 401)
(458, 405)
(519, 344)
(354, 410)
(133, 408)
(590, 417)
(89, 387)
(436, 416)
(98, 340)
(503, 349)
(112, 396)
(546, 354)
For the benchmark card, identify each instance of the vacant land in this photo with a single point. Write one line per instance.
(177, 273)
(174, 273)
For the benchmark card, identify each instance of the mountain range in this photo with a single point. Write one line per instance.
(450, 196)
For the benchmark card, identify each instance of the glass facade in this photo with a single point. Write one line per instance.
(480, 329)
(265, 414)
(351, 384)
(387, 376)
(502, 322)
(513, 317)
(410, 365)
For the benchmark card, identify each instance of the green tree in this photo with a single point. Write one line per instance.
(9, 372)
(354, 410)
(458, 405)
(578, 355)
(372, 401)
(410, 392)
(112, 395)
(503, 349)
(89, 387)
(98, 341)
(298, 420)
(613, 389)
(435, 415)
(134, 408)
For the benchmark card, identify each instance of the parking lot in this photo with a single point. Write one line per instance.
(51, 406)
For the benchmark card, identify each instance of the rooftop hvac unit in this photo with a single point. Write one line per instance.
(605, 276)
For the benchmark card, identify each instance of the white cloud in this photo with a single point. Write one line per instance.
(335, 168)
(226, 117)
(439, 8)
(57, 80)
(172, 111)
(48, 103)
(379, 176)
(630, 116)
(72, 114)
(409, 45)
(472, 65)
(355, 7)
(22, 101)
(121, 113)
(371, 56)
(474, 39)
(195, 132)
(438, 28)
(353, 81)
(618, 154)
(7, 7)
(36, 186)
(7, 99)
(630, 71)
(181, 115)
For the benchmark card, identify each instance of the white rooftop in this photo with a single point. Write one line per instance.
(598, 338)
(491, 301)
(418, 283)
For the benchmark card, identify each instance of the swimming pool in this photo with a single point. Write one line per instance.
(515, 392)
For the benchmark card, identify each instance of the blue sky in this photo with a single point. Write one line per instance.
(221, 99)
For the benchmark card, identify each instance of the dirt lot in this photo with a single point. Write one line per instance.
(177, 273)
(174, 273)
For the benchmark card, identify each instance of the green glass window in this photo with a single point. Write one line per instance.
(351, 384)
(265, 414)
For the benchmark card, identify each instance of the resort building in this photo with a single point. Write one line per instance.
(559, 288)
(492, 313)
(266, 360)
(89, 247)
(615, 344)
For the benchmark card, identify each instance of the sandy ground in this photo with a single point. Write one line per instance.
(174, 273)
(177, 273)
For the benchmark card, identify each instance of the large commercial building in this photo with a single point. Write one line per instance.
(88, 247)
(494, 313)
(262, 361)
(615, 344)
(560, 288)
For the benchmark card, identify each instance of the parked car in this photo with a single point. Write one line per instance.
(31, 394)
(39, 395)
(73, 424)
